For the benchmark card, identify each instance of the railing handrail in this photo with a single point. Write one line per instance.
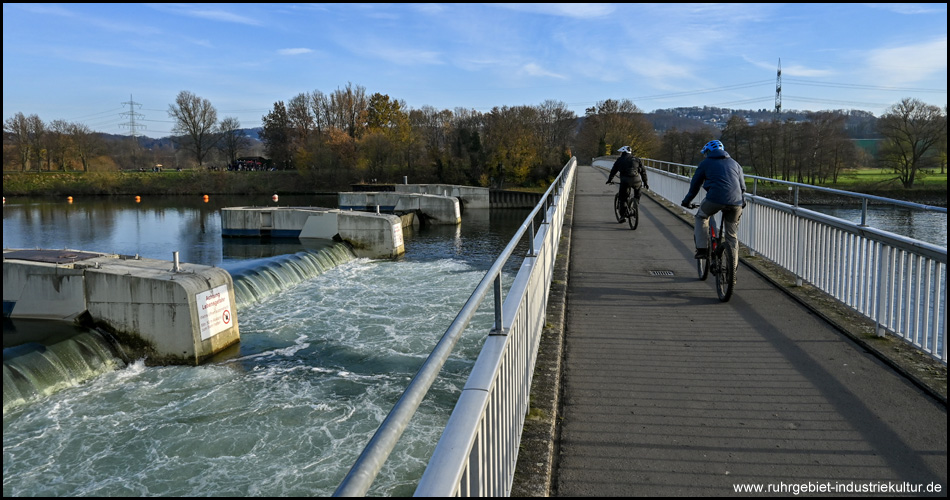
(799, 185)
(364, 471)
(882, 292)
(924, 248)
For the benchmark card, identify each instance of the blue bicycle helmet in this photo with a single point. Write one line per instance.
(713, 146)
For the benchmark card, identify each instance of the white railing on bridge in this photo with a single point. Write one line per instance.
(478, 450)
(897, 282)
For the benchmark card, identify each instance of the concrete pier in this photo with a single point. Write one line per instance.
(433, 208)
(370, 234)
(166, 312)
(468, 196)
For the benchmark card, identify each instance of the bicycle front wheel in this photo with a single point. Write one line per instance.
(618, 208)
(633, 213)
(725, 274)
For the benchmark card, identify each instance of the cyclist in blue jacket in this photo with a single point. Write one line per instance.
(722, 178)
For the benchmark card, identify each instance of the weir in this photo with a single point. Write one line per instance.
(373, 235)
(63, 359)
(169, 313)
(42, 357)
(432, 209)
(257, 279)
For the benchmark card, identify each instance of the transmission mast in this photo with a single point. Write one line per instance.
(778, 90)
(132, 115)
(132, 128)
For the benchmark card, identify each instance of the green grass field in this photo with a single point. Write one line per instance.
(884, 179)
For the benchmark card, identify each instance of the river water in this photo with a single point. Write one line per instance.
(917, 224)
(320, 363)
(285, 413)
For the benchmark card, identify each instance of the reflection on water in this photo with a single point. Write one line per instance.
(288, 410)
(917, 224)
(154, 228)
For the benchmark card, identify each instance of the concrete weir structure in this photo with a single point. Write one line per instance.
(369, 234)
(164, 311)
(431, 208)
(468, 196)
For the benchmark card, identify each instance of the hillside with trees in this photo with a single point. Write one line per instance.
(349, 136)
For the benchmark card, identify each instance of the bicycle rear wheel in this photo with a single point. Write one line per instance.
(725, 274)
(618, 208)
(702, 268)
(702, 265)
(633, 213)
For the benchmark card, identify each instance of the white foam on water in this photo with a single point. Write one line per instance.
(320, 366)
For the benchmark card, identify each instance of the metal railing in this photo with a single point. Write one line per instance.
(897, 282)
(478, 450)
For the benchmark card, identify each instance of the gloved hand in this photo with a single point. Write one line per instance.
(684, 204)
(608, 181)
(743, 203)
(647, 186)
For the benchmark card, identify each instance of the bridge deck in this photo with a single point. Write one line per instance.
(666, 391)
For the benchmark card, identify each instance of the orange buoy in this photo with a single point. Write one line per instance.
(206, 198)
(274, 197)
(138, 199)
(69, 199)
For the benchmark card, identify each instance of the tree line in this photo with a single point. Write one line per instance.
(349, 136)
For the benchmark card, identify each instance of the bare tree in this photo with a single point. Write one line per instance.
(58, 144)
(86, 143)
(611, 124)
(912, 132)
(348, 108)
(233, 139)
(555, 131)
(17, 128)
(195, 121)
(36, 133)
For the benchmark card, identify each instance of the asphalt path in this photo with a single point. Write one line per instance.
(666, 391)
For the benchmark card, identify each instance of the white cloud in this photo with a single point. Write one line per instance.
(572, 10)
(209, 14)
(911, 8)
(910, 63)
(294, 52)
(402, 57)
(533, 69)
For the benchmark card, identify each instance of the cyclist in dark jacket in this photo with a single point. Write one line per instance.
(722, 178)
(632, 173)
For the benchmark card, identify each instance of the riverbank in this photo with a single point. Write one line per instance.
(925, 196)
(186, 182)
(200, 182)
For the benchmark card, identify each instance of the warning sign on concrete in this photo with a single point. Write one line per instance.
(214, 311)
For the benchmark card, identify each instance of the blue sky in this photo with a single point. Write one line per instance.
(85, 62)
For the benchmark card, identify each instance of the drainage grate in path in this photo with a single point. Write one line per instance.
(661, 273)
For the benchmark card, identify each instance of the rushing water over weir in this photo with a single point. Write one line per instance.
(255, 280)
(70, 355)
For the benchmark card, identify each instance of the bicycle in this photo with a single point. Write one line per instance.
(629, 211)
(719, 260)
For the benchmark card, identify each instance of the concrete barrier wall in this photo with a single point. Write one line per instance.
(43, 291)
(468, 196)
(372, 235)
(165, 315)
(369, 234)
(514, 199)
(436, 209)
